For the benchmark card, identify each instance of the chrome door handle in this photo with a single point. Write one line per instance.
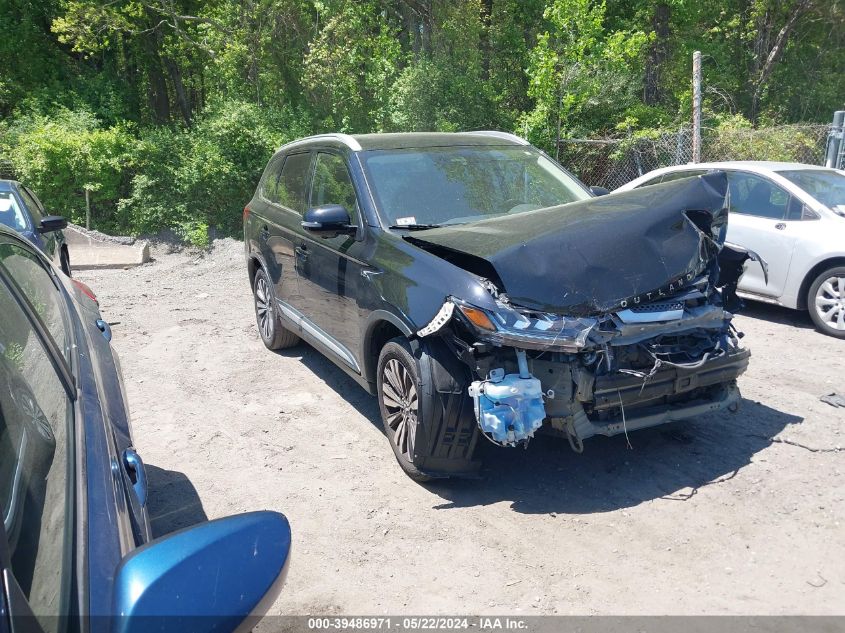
(780, 226)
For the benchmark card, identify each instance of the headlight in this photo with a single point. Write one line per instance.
(530, 330)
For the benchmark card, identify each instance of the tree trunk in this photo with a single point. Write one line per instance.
(658, 54)
(179, 90)
(486, 47)
(157, 97)
(775, 53)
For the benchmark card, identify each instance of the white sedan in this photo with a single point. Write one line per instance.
(793, 216)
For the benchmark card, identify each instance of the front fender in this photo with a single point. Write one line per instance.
(412, 283)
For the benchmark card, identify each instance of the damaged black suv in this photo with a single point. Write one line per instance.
(482, 291)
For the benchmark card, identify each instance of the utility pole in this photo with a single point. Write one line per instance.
(696, 107)
(87, 208)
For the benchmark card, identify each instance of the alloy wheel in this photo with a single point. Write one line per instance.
(399, 394)
(264, 308)
(830, 302)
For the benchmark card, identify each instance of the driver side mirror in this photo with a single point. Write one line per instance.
(599, 191)
(224, 573)
(50, 223)
(329, 220)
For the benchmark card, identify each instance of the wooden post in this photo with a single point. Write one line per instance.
(87, 208)
(696, 107)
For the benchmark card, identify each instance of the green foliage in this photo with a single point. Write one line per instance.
(190, 181)
(167, 110)
(735, 137)
(61, 156)
(350, 68)
(445, 90)
(580, 72)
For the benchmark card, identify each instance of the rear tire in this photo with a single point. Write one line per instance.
(826, 302)
(425, 409)
(273, 334)
(64, 260)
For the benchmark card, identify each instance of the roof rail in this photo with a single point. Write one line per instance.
(507, 136)
(347, 140)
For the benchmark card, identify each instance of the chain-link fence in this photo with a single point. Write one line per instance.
(613, 162)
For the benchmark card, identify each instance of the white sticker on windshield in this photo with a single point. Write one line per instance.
(406, 221)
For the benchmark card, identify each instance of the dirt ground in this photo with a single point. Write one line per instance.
(726, 514)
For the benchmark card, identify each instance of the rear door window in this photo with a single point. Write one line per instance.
(648, 183)
(674, 175)
(795, 209)
(270, 181)
(677, 175)
(757, 196)
(293, 181)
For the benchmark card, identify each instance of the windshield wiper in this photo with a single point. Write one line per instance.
(415, 227)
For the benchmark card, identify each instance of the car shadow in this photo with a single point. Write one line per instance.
(777, 314)
(671, 461)
(173, 501)
(337, 379)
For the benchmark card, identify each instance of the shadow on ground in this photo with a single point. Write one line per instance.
(337, 379)
(669, 462)
(173, 501)
(777, 314)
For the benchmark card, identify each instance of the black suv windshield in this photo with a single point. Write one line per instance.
(458, 185)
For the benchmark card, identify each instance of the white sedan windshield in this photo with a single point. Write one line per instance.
(826, 186)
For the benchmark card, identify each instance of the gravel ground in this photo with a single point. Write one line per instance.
(727, 514)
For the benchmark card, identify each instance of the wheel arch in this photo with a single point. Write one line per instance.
(253, 264)
(811, 275)
(381, 327)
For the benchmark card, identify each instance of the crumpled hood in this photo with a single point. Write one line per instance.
(598, 255)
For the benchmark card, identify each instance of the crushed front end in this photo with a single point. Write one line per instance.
(614, 363)
(635, 368)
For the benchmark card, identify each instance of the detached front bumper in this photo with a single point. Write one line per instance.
(624, 390)
(618, 403)
(579, 427)
(580, 404)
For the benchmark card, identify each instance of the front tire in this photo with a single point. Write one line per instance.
(425, 409)
(273, 334)
(826, 302)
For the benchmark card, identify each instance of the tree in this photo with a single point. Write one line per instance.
(350, 67)
(581, 75)
(155, 40)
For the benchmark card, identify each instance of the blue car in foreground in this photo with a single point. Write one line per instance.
(20, 209)
(76, 552)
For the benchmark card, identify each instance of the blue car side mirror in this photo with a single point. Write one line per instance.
(221, 575)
